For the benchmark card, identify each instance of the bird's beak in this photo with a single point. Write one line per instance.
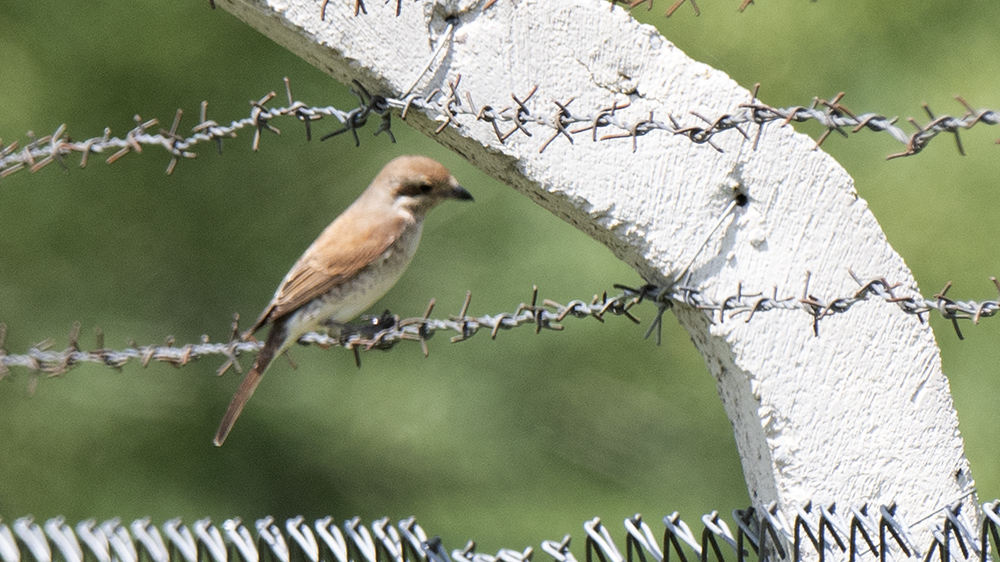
(460, 193)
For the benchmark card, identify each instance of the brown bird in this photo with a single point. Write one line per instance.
(352, 263)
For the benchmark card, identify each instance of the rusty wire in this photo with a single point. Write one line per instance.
(447, 105)
(382, 333)
(762, 533)
(747, 304)
(42, 151)
(555, 115)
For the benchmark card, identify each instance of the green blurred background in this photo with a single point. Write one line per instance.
(507, 442)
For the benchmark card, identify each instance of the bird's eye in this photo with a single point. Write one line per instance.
(414, 189)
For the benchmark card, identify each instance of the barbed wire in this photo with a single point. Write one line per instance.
(39, 152)
(523, 116)
(359, 6)
(860, 531)
(749, 304)
(387, 330)
(831, 114)
(632, 4)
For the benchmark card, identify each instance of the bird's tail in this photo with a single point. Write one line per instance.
(275, 340)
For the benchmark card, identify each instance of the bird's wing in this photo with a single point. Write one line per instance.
(340, 252)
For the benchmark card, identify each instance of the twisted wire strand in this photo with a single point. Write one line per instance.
(831, 114)
(522, 116)
(386, 331)
(760, 532)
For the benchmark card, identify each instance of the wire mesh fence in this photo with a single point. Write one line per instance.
(764, 533)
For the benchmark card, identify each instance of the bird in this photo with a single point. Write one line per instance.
(350, 265)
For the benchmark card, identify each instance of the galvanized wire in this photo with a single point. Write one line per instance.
(388, 330)
(761, 533)
(527, 115)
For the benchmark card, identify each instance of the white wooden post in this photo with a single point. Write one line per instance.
(861, 412)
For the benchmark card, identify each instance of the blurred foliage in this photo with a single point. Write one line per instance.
(509, 441)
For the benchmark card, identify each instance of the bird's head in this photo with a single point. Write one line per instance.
(418, 184)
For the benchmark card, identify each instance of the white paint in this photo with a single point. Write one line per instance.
(861, 413)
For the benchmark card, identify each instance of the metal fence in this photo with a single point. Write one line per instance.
(764, 533)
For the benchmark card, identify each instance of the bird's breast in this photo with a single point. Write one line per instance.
(347, 300)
